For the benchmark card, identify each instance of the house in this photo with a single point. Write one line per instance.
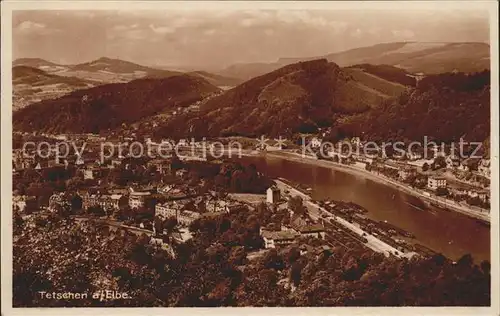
(274, 239)
(406, 172)
(112, 202)
(59, 202)
(25, 203)
(217, 206)
(310, 230)
(484, 167)
(356, 141)
(304, 227)
(452, 162)
(162, 166)
(315, 142)
(166, 210)
(115, 163)
(137, 198)
(182, 142)
(483, 195)
(90, 198)
(181, 173)
(414, 155)
(91, 172)
(273, 195)
(160, 241)
(434, 183)
(170, 208)
(469, 164)
(186, 217)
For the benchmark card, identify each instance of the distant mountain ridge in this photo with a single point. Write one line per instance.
(415, 57)
(108, 106)
(112, 70)
(36, 79)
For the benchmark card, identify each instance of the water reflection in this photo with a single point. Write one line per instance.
(444, 231)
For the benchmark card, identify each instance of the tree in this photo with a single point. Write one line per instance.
(440, 162)
(295, 204)
(442, 191)
(158, 225)
(425, 166)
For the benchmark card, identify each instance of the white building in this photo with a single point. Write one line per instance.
(273, 195)
(273, 239)
(434, 183)
(316, 142)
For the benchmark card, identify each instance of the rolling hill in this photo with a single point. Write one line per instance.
(415, 57)
(443, 107)
(36, 79)
(108, 106)
(296, 98)
(32, 85)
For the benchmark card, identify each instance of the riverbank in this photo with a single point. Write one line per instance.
(372, 242)
(448, 204)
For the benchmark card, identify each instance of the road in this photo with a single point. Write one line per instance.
(315, 211)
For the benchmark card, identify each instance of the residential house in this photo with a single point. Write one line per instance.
(305, 228)
(414, 155)
(181, 173)
(484, 167)
(470, 164)
(92, 172)
(186, 217)
(483, 195)
(112, 202)
(137, 199)
(59, 202)
(434, 183)
(356, 141)
(275, 239)
(90, 198)
(406, 172)
(273, 195)
(24, 203)
(316, 142)
(452, 162)
(162, 166)
(170, 208)
(217, 206)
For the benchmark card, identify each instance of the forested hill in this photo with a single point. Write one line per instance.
(443, 107)
(108, 106)
(296, 98)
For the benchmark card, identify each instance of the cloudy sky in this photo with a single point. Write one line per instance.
(220, 38)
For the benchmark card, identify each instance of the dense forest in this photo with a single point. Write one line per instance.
(297, 98)
(109, 106)
(443, 107)
(220, 266)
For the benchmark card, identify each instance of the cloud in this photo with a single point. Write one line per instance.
(162, 29)
(209, 32)
(29, 25)
(357, 33)
(405, 34)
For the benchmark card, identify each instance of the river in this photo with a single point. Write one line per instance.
(447, 232)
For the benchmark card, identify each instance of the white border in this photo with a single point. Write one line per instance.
(6, 140)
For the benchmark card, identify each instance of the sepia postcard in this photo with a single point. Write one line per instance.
(165, 157)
